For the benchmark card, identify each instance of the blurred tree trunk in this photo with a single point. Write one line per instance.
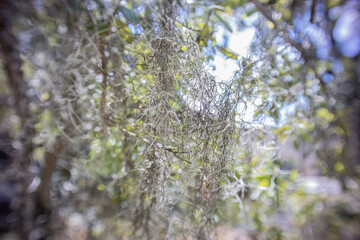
(12, 64)
(30, 206)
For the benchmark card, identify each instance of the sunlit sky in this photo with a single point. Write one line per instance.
(237, 41)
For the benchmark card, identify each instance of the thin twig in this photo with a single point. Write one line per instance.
(282, 28)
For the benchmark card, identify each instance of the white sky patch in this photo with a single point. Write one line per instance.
(247, 112)
(238, 42)
(224, 68)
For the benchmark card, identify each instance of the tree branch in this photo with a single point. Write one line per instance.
(313, 7)
(282, 28)
(51, 159)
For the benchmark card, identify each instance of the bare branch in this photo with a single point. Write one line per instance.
(283, 29)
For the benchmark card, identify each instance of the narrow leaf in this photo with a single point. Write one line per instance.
(251, 11)
(226, 24)
(227, 52)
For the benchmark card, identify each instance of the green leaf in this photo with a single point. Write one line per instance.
(251, 11)
(101, 187)
(333, 3)
(223, 22)
(119, 23)
(324, 114)
(227, 52)
(264, 181)
(293, 175)
(45, 96)
(274, 113)
(124, 32)
(129, 15)
(339, 167)
(206, 31)
(233, 3)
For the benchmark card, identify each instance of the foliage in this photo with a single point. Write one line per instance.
(115, 108)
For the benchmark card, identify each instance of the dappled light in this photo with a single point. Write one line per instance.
(174, 119)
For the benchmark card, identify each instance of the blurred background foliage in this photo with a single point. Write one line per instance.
(113, 127)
